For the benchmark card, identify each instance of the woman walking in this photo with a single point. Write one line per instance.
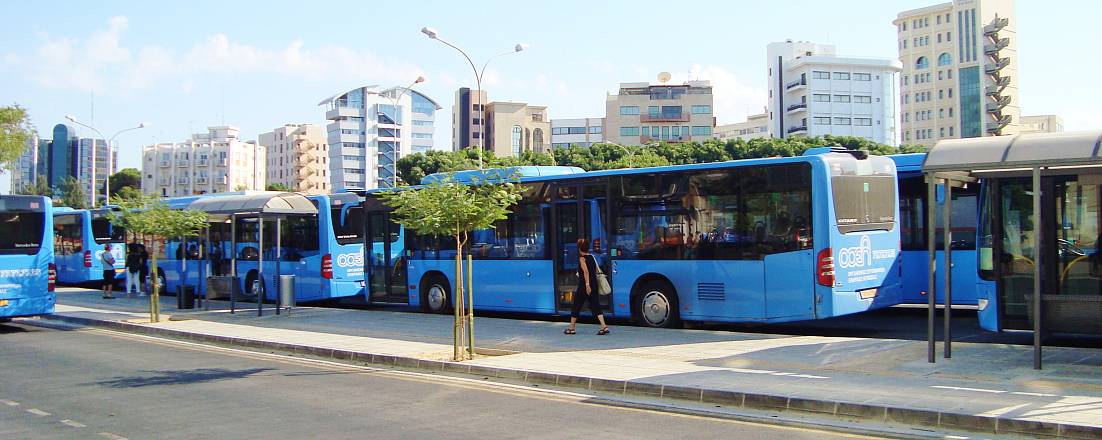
(586, 293)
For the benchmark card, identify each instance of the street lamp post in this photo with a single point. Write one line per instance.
(394, 150)
(433, 34)
(107, 178)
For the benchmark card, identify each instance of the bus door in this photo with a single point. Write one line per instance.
(579, 210)
(384, 251)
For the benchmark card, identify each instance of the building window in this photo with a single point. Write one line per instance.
(820, 98)
(941, 132)
(864, 122)
(940, 94)
(699, 130)
(941, 113)
(841, 121)
(841, 98)
(820, 120)
(906, 117)
(629, 131)
(841, 75)
(629, 110)
(950, 112)
(702, 109)
(862, 99)
(516, 140)
(949, 74)
(862, 77)
(820, 75)
(944, 59)
(595, 130)
(950, 130)
(950, 92)
(949, 36)
(922, 63)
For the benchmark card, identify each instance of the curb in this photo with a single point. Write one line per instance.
(732, 399)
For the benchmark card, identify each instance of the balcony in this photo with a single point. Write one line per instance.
(223, 162)
(183, 180)
(994, 48)
(669, 139)
(996, 25)
(665, 117)
(795, 108)
(334, 113)
(201, 180)
(994, 67)
(166, 163)
(998, 104)
(1002, 82)
(797, 129)
(995, 127)
(796, 84)
(183, 163)
(202, 162)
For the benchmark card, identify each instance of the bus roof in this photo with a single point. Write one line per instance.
(910, 163)
(468, 176)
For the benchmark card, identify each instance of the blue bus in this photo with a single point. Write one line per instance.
(324, 252)
(79, 236)
(913, 231)
(27, 272)
(762, 240)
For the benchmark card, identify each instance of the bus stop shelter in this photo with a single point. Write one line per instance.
(260, 205)
(952, 163)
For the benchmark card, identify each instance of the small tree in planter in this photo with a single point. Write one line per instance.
(151, 217)
(449, 208)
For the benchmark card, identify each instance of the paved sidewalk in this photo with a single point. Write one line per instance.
(985, 387)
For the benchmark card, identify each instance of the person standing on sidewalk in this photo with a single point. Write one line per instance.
(143, 271)
(107, 260)
(586, 292)
(133, 269)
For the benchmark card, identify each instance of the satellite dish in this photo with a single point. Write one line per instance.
(663, 77)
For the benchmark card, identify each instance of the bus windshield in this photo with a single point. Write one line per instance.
(350, 229)
(21, 232)
(864, 193)
(104, 232)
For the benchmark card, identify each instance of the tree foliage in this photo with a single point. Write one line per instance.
(38, 188)
(603, 156)
(126, 178)
(278, 187)
(15, 129)
(71, 193)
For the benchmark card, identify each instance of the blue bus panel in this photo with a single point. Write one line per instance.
(27, 272)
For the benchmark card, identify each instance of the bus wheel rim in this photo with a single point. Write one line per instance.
(656, 307)
(256, 287)
(435, 297)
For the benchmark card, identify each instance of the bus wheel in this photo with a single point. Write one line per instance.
(656, 305)
(162, 281)
(435, 295)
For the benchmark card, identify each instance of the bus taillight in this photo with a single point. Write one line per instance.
(327, 266)
(51, 277)
(87, 258)
(825, 267)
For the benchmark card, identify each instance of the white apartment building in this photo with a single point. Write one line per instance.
(959, 70)
(369, 130)
(216, 161)
(1042, 124)
(814, 92)
(755, 127)
(642, 113)
(577, 131)
(297, 157)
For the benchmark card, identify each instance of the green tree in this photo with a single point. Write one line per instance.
(71, 194)
(150, 217)
(278, 187)
(15, 129)
(38, 188)
(126, 178)
(449, 208)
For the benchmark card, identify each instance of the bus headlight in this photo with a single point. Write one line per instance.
(982, 303)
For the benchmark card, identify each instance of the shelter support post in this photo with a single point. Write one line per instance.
(931, 301)
(1038, 245)
(259, 290)
(233, 262)
(278, 262)
(947, 215)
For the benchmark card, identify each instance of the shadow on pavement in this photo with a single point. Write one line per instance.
(180, 377)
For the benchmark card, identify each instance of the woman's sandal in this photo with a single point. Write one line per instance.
(568, 331)
(602, 332)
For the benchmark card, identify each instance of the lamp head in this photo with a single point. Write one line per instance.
(520, 46)
(143, 124)
(70, 118)
(420, 79)
(429, 32)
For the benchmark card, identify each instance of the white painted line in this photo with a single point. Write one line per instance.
(978, 390)
(111, 436)
(1023, 393)
(74, 424)
(9, 402)
(38, 412)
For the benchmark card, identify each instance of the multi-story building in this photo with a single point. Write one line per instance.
(466, 118)
(959, 70)
(577, 131)
(642, 113)
(515, 127)
(297, 158)
(369, 130)
(25, 170)
(216, 161)
(814, 92)
(66, 155)
(1042, 124)
(755, 127)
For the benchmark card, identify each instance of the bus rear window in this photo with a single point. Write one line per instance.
(864, 193)
(350, 229)
(104, 232)
(21, 232)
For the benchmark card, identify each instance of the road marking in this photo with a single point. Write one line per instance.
(38, 412)
(9, 402)
(74, 424)
(978, 390)
(111, 436)
(1023, 393)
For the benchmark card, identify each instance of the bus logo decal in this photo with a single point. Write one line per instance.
(862, 255)
(355, 259)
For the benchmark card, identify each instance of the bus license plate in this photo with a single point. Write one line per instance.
(867, 293)
(3, 303)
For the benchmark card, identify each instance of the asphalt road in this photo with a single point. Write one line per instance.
(91, 383)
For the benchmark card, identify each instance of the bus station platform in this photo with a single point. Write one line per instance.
(986, 388)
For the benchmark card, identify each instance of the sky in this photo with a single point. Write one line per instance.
(183, 66)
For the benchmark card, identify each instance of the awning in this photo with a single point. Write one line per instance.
(256, 203)
(1023, 151)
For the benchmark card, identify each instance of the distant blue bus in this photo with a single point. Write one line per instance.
(324, 252)
(79, 238)
(27, 272)
(763, 240)
(913, 231)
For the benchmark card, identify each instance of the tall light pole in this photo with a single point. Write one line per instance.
(110, 141)
(394, 157)
(433, 34)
